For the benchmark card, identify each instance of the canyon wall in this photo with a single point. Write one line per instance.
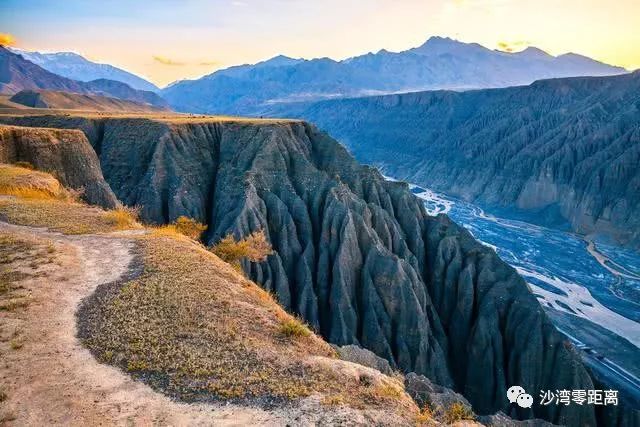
(562, 151)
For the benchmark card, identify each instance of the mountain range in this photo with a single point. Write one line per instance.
(76, 67)
(17, 74)
(75, 101)
(563, 150)
(440, 63)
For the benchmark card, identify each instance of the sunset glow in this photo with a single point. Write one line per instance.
(173, 39)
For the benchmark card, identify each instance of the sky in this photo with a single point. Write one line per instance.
(169, 40)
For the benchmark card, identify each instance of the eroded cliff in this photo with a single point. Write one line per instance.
(64, 153)
(356, 256)
(566, 150)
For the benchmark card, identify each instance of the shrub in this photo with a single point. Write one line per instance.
(189, 227)
(254, 248)
(457, 412)
(425, 416)
(294, 328)
(124, 217)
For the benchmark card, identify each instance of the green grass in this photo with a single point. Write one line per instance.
(293, 328)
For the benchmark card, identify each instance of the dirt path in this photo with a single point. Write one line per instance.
(53, 379)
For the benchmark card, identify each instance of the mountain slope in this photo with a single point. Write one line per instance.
(16, 74)
(67, 100)
(76, 67)
(439, 63)
(356, 256)
(569, 146)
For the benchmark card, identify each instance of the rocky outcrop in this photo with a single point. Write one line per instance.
(66, 154)
(356, 256)
(362, 356)
(567, 150)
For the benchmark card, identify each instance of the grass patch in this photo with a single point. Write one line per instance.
(189, 227)
(425, 417)
(457, 412)
(193, 328)
(16, 344)
(183, 226)
(292, 327)
(20, 259)
(64, 216)
(123, 217)
(28, 183)
(39, 200)
(14, 304)
(254, 248)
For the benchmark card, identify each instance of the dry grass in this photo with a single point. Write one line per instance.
(425, 417)
(38, 199)
(64, 216)
(25, 182)
(183, 226)
(195, 329)
(254, 248)
(20, 259)
(457, 412)
(189, 227)
(292, 327)
(16, 344)
(123, 217)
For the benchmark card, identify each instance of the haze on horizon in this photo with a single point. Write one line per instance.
(178, 39)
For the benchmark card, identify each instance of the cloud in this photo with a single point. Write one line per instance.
(167, 61)
(210, 63)
(7, 39)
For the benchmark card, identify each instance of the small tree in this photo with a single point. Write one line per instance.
(254, 248)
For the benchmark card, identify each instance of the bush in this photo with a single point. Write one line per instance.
(294, 328)
(124, 217)
(254, 248)
(425, 416)
(457, 412)
(189, 227)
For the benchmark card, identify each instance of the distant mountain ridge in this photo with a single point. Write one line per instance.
(564, 149)
(440, 63)
(58, 100)
(17, 74)
(76, 67)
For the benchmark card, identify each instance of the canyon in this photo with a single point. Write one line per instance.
(356, 256)
(559, 152)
